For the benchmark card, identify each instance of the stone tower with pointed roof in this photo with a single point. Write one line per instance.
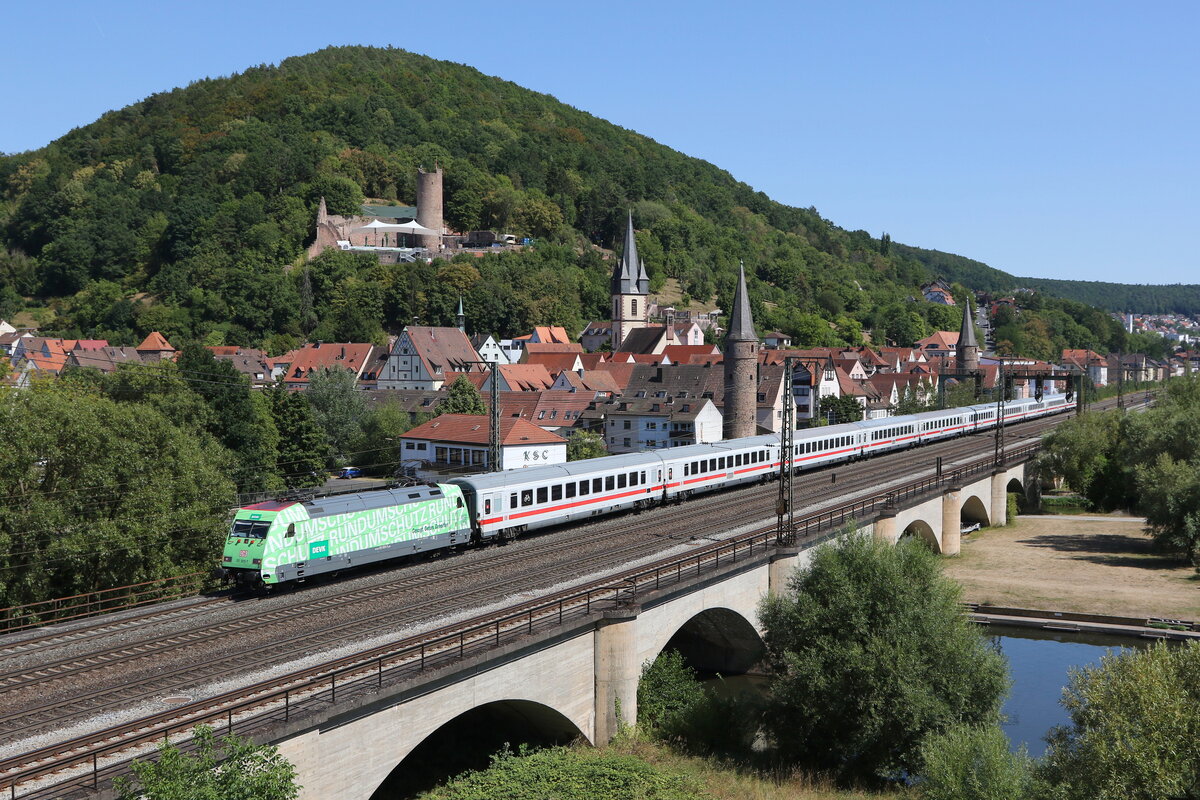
(630, 290)
(967, 354)
(741, 367)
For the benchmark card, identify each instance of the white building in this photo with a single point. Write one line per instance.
(459, 442)
(653, 423)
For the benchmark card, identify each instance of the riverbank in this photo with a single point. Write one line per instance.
(1089, 564)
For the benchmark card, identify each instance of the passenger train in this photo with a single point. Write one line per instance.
(283, 541)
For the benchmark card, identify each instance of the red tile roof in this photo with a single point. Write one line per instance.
(155, 342)
(310, 357)
(473, 429)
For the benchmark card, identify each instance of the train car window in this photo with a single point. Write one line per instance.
(621, 481)
(460, 502)
(712, 465)
(597, 486)
(584, 487)
(670, 473)
(556, 492)
(610, 483)
(291, 530)
(527, 497)
(487, 505)
(512, 500)
(687, 470)
(570, 490)
(541, 494)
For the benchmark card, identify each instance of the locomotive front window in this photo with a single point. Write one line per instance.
(245, 529)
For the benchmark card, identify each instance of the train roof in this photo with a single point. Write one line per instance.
(697, 450)
(498, 480)
(365, 501)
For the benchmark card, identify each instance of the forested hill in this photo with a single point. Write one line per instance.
(1142, 298)
(187, 212)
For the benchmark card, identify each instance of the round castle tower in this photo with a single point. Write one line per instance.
(429, 207)
(741, 367)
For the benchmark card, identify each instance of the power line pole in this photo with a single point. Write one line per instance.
(999, 454)
(494, 420)
(785, 531)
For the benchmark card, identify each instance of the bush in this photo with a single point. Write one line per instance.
(1135, 722)
(1013, 507)
(973, 762)
(667, 686)
(565, 773)
(229, 768)
(717, 725)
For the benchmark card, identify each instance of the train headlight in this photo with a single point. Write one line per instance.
(227, 559)
(256, 561)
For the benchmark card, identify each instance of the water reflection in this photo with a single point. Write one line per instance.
(1039, 663)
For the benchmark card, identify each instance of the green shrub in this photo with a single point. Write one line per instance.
(717, 725)
(667, 686)
(565, 773)
(1013, 507)
(973, 762)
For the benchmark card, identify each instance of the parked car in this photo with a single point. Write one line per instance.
(350, 472)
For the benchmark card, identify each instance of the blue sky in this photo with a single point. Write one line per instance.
(1051, 138)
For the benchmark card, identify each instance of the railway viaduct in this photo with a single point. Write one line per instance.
(579, 680)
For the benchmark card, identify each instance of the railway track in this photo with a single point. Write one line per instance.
(706, 510)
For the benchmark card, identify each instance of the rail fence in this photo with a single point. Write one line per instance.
(62, 609)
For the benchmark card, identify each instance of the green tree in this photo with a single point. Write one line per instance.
(585, 444)
(666, 688)
(1135, 723)
(973, 762)
(239, 417)
(382, 426)
(231, 768)
(303, 450)
(841, 409)
(338, 407)
(100, 493)
(462, 398)
(869, 653)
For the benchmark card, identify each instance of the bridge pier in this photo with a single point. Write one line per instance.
(952, 521)
(884, 528)
(617, 672)
(783, 563)
(999, 515)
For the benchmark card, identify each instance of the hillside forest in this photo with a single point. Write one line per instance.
(188, 213)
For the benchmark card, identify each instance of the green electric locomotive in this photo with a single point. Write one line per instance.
(290, 540)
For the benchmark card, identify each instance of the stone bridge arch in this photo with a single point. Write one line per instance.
(974, 510)
(923, 531)
(354, 751)
(718, 640)
(467, 741)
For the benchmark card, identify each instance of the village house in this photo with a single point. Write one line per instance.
(459, 443)
(938, 292)
(632, 424)
(354, 357)
(421, 357)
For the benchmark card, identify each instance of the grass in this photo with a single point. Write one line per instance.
(728, 781)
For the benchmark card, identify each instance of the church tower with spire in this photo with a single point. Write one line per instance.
(461, 317)
(967, 355)
(630, 290)
(741, 367)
